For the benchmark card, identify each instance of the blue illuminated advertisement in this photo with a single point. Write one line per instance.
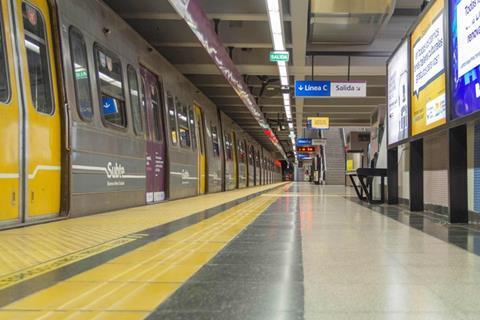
(465, 56)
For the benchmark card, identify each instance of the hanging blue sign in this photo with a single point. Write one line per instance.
(301, 142)
(303, 156)
(309, 88)
(109, 105)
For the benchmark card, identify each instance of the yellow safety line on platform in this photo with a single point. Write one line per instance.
(30, 246)
(17, 277)
(133, 285)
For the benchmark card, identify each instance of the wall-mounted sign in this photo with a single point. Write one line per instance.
(465, 56)
(312, 89)
(306, 149)
(304, 142)
(398, 95)
(318, 122)
(276, 56)
(428, 71)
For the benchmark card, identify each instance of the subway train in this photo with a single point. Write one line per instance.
(93, 119)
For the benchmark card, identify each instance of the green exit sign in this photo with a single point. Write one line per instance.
(276, 56)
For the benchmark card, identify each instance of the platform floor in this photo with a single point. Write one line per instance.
(294, 252)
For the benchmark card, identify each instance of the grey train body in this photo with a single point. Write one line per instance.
(107, 164)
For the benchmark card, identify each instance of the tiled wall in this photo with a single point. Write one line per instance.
(473, 154)
(435, 176)
(403, 172)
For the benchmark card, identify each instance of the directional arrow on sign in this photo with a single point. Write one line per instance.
(300, 88)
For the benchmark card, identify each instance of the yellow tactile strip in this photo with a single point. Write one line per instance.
(24, 248)
(133, 285)
(29, 273)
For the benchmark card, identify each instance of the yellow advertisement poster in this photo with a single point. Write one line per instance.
(428, 71)
(319, 122)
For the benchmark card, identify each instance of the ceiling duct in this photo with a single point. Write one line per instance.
(347, 22)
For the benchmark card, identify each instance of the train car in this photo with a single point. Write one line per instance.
(93, 119)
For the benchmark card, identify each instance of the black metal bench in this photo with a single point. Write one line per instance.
(365, 177)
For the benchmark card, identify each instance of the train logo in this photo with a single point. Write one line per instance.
(115, 171)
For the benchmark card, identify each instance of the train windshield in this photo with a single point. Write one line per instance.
(37, 59)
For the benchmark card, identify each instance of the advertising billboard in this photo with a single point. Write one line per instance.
(427, 43)
(398, 95)
(464, 56)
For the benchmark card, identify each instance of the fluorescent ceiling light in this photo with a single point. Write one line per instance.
(273, 5)
(284, 81)
(278, 42)
(283, 71)
(275, 22)
(286, 96)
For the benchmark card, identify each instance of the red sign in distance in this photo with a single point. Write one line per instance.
(306, 149)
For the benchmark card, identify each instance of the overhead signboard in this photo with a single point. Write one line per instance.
(304, 142)
(302, 156)
(321, 123)
(312, 88)
(307, 149)
(398, 95)
(319, 142)
(279, 56)
(315, 89)
(465, 57)
(428, 105)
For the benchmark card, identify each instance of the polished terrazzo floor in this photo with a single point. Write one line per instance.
(317, 253)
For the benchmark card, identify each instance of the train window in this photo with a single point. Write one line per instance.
(172, 118)
(191, 118)
(83, 93)
(37, 59)
(228, 146)
(183, 127)
(257, 159)
(112, 98)
(215, 143)
(157, 113)
(4, 83)
(135, 101)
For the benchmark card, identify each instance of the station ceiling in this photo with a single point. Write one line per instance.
(243, 27)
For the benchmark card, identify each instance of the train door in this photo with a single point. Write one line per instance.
(9, 118)
(202, 163)
(40, 131)
(251, 166)
(155, 151)
(235, 159)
